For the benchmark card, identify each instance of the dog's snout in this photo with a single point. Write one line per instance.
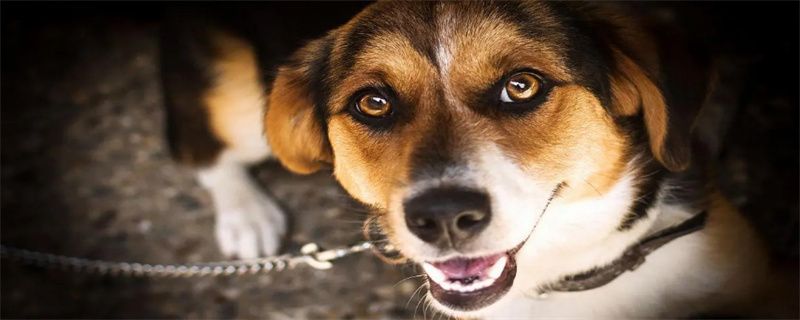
(448, 217)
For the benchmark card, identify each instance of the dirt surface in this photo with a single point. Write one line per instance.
(85, 172)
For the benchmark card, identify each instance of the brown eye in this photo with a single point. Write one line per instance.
(520, 87)
(374, 105)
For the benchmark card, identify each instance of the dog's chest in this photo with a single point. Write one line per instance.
(669, 284)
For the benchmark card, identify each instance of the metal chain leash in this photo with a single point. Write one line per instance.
(310, 254)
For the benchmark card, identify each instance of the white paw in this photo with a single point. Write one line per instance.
(249, 226)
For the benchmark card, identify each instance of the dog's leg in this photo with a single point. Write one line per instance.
(215, 103)
(249, 223)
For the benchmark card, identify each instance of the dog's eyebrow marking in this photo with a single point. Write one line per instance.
(409, 19)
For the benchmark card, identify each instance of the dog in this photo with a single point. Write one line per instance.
(534, 159)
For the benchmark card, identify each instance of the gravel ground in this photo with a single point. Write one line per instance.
(85, 172)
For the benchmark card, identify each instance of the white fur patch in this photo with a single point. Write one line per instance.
(248, 223)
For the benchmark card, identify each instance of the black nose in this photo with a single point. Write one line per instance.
(448, 216)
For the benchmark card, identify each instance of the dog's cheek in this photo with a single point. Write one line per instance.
(368, 166)
(372, 170)
(350, 168)
(597, 148)
(570, 139)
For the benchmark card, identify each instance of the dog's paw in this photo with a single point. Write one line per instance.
(249, 225)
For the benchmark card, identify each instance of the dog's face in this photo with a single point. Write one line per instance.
(461, 124)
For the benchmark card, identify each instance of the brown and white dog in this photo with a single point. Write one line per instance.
(517, 151)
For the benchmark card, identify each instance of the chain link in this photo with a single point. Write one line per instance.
(310, 254)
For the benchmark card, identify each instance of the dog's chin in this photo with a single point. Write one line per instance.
(463, 285)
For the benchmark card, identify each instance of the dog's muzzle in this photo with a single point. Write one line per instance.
(450, 218)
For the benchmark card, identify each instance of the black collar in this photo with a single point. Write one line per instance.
(631, 259)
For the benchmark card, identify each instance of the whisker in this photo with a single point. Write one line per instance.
(547, 205)
(593, 187)
(422, 302)
(358, 222)
(412, 296)
(425, 309)
(408, 278)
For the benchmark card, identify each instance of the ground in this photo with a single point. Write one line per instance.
(85, 172)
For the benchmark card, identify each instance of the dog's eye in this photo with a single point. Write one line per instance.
(520, 87)
(373, 105)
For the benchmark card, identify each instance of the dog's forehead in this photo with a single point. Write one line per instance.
(477, 41)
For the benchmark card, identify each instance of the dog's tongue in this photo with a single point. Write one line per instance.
(466, 268)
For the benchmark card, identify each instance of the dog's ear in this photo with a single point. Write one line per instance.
(667, 83)
(294, 123)
(634, 90)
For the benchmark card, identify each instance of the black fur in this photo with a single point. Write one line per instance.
(587, 54)
(186, 56)
(650, 175)
(413, 20)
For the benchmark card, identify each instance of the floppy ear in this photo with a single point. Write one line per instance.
(293, 123)
(634, 91)
(669, 90)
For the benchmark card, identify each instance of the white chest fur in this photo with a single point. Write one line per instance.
(697, 273)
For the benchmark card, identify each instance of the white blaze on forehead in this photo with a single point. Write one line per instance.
(444, 53)
(444, 57)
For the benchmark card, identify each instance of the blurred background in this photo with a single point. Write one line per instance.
(84, 168)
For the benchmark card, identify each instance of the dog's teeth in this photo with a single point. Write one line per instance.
(497, 269)
(484, 283)
(435, 274)
(477, 285)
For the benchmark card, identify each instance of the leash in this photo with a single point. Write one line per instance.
(313, 256)
(310, 254)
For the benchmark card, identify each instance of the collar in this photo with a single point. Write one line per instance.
(631, 259)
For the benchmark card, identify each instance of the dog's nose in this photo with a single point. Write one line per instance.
(448, 216)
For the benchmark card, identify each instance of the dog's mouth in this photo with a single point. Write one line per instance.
(468, 284)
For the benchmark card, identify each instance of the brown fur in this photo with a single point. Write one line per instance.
(635, 84)
(569, 132)
(570, 138)
(236, 97)
(293, 132)
(633, 89)
(550, 141)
